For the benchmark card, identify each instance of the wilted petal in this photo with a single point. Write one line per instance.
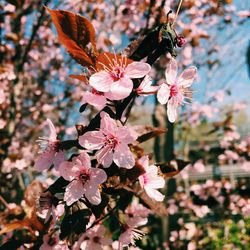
(120, 89)
(171, 71)
(137, 69)
(187, 77)
(44, 160)
(105, 156)
(123, 157)
(163, 94)
(74, 191)
(101, 81)
(92, 140)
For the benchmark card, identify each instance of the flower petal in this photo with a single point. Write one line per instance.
(92, 140)
(98, 176)
(163, 94)
(52, 129)
(73, 192)
(98, 101)
(187, 77)
(172, 110)
(67, 171)
(101, 81)
(171, 71)
(126, 134)
(58, 159)
(120, 89)
(123, 157)
(137, 69)
(93, 194)
(44, 160)
(108, 125)
(85, 159)
(105, 156)
(154, 194)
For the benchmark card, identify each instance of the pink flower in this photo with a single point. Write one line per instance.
(50, 152)
(129, 232)
(115, 78)
(150, 181)
(52, 242)
(84, 180)
(175, 90)
(111, 141)
(94, 239)
(146, 87)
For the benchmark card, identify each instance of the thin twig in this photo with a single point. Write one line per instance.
(177, 12)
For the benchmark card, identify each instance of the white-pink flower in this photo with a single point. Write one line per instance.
(150, 181)
(50, 152)
(115, 79)
(175, 90)
(111, 141)
(146, 87)
(84, 180)
(94, 238)
(129, 231)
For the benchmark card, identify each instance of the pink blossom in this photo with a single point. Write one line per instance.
(129, 231)
(175, 90)
(84, 180)
(94, 238)
(53, 243)
(111, 141)
(115, 79)
(50, 152)
(150, 180)
(146, 87)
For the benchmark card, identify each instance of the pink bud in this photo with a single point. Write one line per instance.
(180, 41)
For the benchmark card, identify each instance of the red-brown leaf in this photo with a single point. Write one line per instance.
(77, 34)
(172, 168)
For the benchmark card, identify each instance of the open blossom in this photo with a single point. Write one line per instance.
(84, 180)
(115, 79)
(130, 233)
(150, 180)
(94, 238)
(50, 152)
(175, 90)
(111, 141)
(146, 87)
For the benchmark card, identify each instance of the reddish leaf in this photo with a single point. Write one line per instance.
(82, 78)
(77, 34)
(16, 225)
(148, 132)
(172, 168)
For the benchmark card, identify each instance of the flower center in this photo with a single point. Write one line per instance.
(174, 90)
(111, 141)
(96, 239)
(96, 92)
(117, 73)
(145, 179)
(84, 176)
